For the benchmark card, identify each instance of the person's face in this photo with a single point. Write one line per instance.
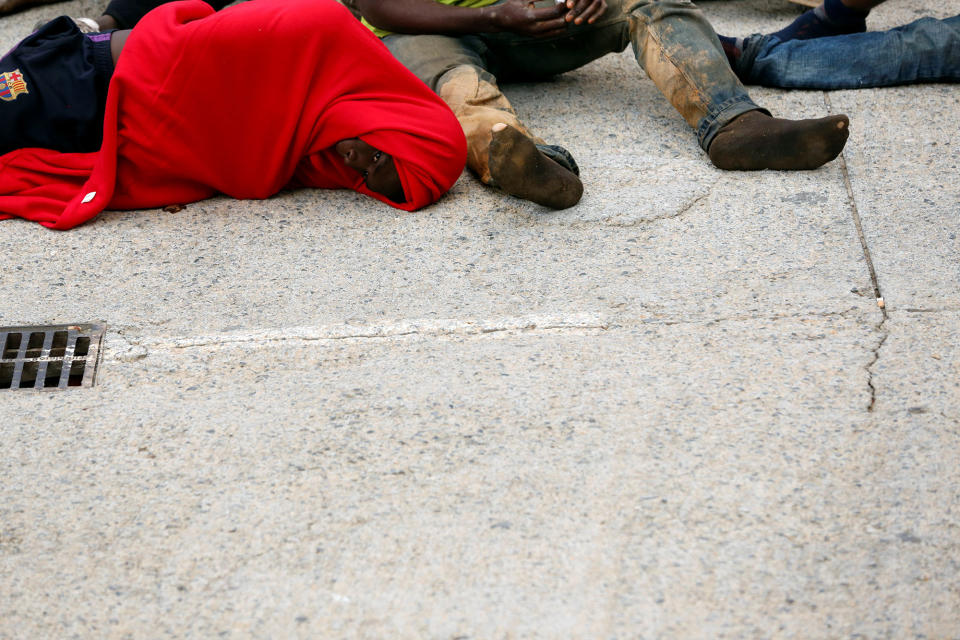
(377, 168)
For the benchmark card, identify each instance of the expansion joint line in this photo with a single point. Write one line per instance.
(855, 213)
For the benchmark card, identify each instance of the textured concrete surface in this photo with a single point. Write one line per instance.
(674, 411)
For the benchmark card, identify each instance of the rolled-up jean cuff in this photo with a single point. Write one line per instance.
(752, 45)
(719, 115)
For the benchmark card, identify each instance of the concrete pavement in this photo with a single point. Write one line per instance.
(674, 411)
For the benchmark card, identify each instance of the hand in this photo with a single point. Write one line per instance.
(521, 17)
(580, 11)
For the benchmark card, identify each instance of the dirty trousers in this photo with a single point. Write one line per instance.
(672, 41)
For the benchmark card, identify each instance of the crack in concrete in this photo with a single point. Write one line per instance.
(690, 205)
(855, 214)
(618, 223)
(884, 334)
(667, 216)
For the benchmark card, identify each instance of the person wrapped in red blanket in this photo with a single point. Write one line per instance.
(245, 102)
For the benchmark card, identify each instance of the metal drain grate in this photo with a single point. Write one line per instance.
(51, 357)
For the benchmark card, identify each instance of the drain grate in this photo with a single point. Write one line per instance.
(50, 357)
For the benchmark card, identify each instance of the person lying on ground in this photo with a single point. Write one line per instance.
(462, 49)
(256, 98)
(926, 50)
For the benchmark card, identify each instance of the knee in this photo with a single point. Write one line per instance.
(454, 77)
(462, 79)
(656, 9)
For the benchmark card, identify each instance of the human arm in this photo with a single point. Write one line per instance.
(428, 16)
(117, 40)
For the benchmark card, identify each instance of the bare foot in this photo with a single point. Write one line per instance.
(12, 6)
(518, 167)
(755, 141)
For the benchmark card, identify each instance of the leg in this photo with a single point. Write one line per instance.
(682, 55)
(13, 6)
(829, 18)
(926, 50)
(476, 100)
(456, 69)
(679, 50)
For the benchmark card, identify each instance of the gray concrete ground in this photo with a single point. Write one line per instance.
(674, 411)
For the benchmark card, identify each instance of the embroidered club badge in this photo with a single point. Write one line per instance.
(12, 84)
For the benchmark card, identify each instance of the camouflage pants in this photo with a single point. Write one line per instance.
(671, 39)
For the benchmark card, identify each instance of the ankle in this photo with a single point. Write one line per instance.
(732, 48)
(839, 13)
(832, 18)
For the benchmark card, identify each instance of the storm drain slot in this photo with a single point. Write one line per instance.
(50, 357)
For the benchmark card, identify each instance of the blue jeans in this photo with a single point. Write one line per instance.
(927, 50)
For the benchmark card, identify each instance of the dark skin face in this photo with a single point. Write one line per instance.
(377, 168)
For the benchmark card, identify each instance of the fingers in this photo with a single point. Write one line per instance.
(585, 11)
(543, 13)
(547, 20)
(553, 20)
(549, 27)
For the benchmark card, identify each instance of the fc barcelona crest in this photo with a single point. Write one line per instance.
(12, 84)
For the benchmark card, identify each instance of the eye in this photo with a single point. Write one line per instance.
(364, 172)
(377, 155)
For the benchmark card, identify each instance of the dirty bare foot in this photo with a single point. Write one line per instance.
(755, 141)
(12, 6)
(518, 167)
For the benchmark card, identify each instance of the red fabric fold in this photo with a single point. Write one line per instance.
(242, 102)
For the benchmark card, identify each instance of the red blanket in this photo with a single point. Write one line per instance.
(244, 102)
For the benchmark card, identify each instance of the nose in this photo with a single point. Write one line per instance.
(352, 155)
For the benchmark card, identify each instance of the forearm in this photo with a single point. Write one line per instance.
(117, 40)
(428, 16)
